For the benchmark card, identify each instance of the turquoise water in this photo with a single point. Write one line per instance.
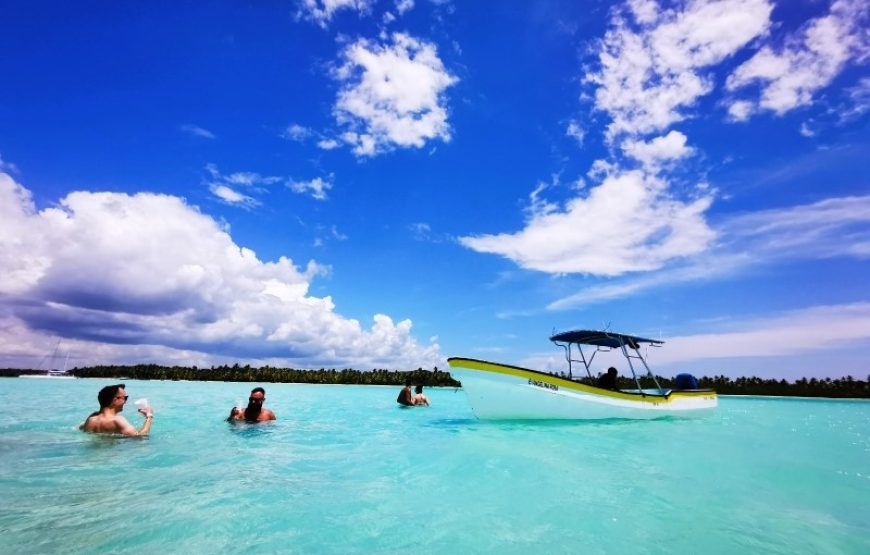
(344, 470)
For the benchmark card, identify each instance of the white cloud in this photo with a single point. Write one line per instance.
(740, 110)
(645, 11)
(806, 130)
(225, 187)
(789, 333)
(196, 131)
(574, 130)
(659, 150)
(393, 95)
(328, 144)
(809, 60)
(296, 132)
(403, 6)
(835, 227)
(116, 273)
(321, 11)
(231, 196)
(626, 224)
(859, 101)
(7, 166)
(648, 76)
(317, 187)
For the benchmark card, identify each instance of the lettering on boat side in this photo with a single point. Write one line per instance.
(545, 385)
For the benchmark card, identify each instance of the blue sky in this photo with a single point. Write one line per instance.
(355, 183)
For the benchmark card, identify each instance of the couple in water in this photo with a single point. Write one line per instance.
(406, 399)
(112, 398)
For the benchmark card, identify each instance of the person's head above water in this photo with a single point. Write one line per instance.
(418, 389)
(258, 395)
(255, 404)
(408, 382)
(109, 394)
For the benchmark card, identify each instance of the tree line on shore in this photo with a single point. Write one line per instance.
(265, 374)
(847, 387)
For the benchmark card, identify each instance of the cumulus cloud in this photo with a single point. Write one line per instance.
(197, 131)
(659, 150)
(626, 224)
(316, 187)
(392, 95)
(834, 227)
(808, 61)
(321, 11)
(652, 70)
(112, 271)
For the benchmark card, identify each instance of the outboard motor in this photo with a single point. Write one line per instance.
(685, 381)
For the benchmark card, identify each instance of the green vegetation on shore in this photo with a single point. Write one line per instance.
(266, 374)
(846, 387)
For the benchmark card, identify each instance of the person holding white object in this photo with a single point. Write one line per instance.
(108, 419)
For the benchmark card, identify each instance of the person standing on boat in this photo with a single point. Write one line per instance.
(254, 411)
(108, 419)
(405, 398)
(608, 380)
(419, 398)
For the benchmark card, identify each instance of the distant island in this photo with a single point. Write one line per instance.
(846, 387)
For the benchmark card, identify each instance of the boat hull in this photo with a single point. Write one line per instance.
(498, 391)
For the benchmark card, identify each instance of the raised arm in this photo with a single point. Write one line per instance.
(128, 430)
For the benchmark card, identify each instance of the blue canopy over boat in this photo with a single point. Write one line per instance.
(602, 339)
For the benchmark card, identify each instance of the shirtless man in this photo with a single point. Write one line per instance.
(108, 419)
(405, 398)
(255, 411)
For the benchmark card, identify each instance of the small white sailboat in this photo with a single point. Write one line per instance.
(53, 373)
(500, 391)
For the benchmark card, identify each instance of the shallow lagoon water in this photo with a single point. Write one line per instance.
(344, 470)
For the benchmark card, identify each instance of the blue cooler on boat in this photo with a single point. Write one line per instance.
(685, 381)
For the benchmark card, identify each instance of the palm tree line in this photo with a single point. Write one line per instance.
(846, 387)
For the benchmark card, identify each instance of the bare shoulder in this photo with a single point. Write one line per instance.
(269, 414)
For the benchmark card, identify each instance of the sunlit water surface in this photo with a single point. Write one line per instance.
(344, 470)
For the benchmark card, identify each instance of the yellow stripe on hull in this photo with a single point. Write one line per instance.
(508, 392)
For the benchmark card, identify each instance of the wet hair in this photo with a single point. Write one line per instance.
(107, 394)
(258, 390)
(418, 389)
(408, 382)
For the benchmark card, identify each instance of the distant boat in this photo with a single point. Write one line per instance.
(54, 373)
(499, 391)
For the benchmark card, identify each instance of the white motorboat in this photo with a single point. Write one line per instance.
(501, 391)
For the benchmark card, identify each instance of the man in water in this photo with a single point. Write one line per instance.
(405, 398)
(254, 411)
(108, 419)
